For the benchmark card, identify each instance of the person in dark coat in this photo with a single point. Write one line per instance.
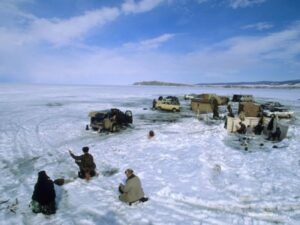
(242, 129)
(44, 195)
(86, 163)
(276, 135)
(229, 109)
(259, 127)
(272, 125)
(215, 108)
(153, 103)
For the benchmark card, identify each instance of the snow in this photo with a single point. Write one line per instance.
(189, 170)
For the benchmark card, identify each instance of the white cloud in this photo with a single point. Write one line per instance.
(149, 43)
(259, 26)
(244, 3)
(278, 42)
(64, 31)
(273, 54)
(22, 58)
(131, 6)
(13, 6)
(61, 32)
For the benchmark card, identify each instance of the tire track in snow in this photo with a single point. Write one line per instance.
(267, 213)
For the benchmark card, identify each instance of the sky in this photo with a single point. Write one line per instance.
(106, 42)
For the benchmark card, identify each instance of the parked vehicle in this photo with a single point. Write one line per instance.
(242, 98)
(109, 120)
(170, 103)
(275, 108)
(190, 96)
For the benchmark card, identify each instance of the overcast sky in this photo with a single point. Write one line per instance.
(121, 42)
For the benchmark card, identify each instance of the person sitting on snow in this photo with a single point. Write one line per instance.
(43, 197)
(242, 129)
(132, 191)
(86, 163)
(259, 127)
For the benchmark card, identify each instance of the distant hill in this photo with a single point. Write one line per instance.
(160, 83)
(256, 84)
(288, 82)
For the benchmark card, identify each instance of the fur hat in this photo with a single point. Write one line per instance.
(43, 173)
(85, 149)
(42, 176)
(130, 171)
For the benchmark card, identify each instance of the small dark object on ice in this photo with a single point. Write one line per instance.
(2, 202)
(275, 146)
(109, 172)
(59, 181)
(143, 199)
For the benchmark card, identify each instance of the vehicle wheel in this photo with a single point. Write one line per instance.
(159, 108)
(174, 110)
(114, 128)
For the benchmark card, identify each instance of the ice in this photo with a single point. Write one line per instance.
(193, 171)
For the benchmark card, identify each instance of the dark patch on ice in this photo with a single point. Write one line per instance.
(159, 117)
(211, 121)
(109, 172)
(13, 206)
(27, 164)
(5, 201)
(130, 104)
(4, 166)
(54, 104)
(187, 115)
(137, 102)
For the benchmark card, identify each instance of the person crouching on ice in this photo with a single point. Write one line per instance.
(132, 191)
(86, 164)
(43, 198)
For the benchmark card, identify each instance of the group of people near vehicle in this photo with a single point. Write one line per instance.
(43, 198)
(273, 130)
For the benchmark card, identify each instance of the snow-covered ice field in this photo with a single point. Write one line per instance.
(179, 167)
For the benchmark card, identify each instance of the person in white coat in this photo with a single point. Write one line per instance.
(132, 191)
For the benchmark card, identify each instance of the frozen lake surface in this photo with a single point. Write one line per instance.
(190, 172)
